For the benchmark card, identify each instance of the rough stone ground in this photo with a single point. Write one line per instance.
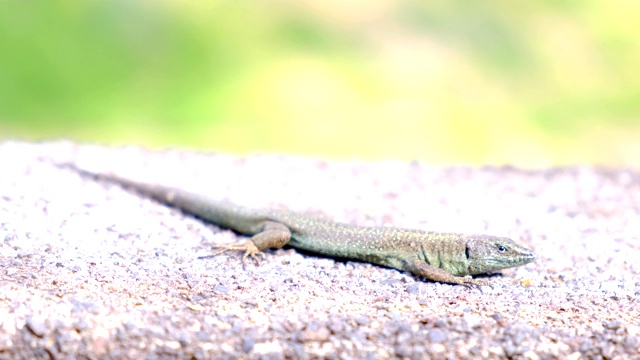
(92, 270)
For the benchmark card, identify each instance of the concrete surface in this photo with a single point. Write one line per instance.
(92, 270)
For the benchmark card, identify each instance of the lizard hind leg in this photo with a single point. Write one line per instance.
(273, 235)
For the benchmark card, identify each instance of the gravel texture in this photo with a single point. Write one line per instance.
(90, 269)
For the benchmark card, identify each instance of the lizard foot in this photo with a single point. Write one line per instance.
(249, 248)
(474, 283)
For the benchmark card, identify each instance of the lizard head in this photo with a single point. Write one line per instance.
(490, 253)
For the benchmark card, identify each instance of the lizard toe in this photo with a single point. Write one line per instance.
(251, 251)
(474, 283)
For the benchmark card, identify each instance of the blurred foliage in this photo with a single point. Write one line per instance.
(527, 83)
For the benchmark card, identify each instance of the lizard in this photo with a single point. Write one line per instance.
(440, 257)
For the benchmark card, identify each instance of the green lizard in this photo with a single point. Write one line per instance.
(443, 257)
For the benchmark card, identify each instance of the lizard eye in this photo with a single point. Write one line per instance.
(502, 248)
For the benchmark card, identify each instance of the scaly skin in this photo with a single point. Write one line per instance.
(444, 257)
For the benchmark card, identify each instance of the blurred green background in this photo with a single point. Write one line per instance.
(444, 82)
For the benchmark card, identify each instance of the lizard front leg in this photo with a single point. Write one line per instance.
(421, 268)
(273, 235)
